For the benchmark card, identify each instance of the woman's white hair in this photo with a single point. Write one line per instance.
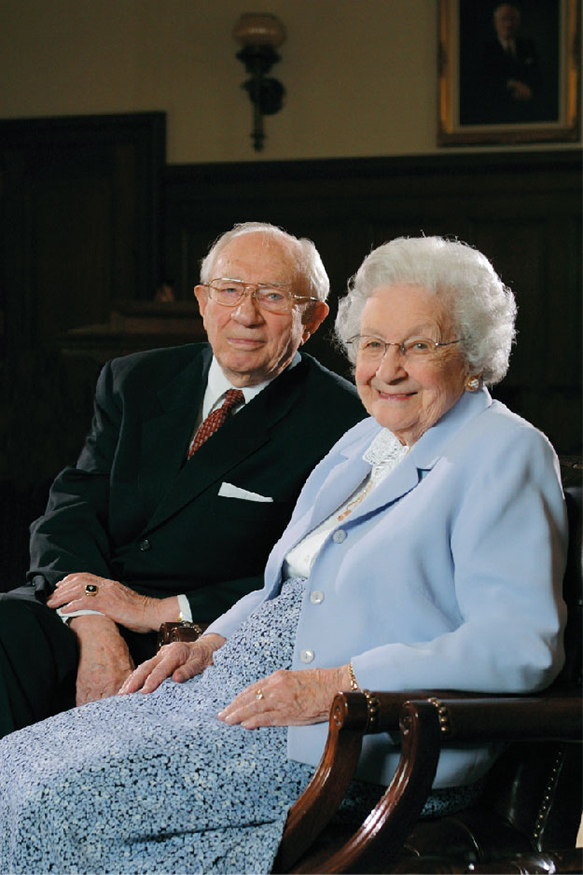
(481, 307)
(310, 269)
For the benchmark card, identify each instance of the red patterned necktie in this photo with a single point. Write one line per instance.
(215, 419)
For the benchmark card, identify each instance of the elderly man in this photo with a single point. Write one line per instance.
(503, 80)
(188, 476)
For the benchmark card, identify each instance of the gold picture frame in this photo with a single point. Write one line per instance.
(477, 104)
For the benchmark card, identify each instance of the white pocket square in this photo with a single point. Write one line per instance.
(227, 490)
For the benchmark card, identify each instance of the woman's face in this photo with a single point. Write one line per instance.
(406, 395)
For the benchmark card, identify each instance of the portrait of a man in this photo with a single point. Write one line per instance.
(509, 62)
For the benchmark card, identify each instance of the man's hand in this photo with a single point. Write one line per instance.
(180, 660)
(519, 90)
(121, 604)
(104, 658)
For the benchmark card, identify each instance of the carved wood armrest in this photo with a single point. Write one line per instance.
(353, 715)
(556, 712)
(426, 719)
(543, 716)
(180, 630)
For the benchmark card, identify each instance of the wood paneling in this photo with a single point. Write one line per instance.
(89, 219)
(522, 209)
(80, 220)
(79, 231)
(79, 216)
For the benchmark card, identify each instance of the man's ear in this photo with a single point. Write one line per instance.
(313, 318)
(201, 295)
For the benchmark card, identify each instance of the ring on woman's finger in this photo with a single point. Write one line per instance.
(259, 694)
(90, 589)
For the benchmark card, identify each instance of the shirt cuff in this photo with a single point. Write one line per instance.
(184, 608)
(66, 617)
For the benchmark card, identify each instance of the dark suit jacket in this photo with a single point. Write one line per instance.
(133, 510)
(484, 96)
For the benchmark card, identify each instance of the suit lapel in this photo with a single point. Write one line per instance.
(396, 484)
(425, 454)
(347, 478)
(338, 486)
(242, 434)
(347, 474)
(168, 428)
(340, 483)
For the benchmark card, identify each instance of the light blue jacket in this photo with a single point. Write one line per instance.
(447, 576)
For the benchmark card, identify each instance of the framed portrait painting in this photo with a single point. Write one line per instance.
(509, 72)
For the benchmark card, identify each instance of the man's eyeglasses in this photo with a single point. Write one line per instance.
(274, 297)
(414, 348)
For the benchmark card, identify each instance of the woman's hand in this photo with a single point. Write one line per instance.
(118, 602)
(180, 660)
(288, 698)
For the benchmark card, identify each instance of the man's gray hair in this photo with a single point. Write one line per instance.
(482, 308)
(309, 265)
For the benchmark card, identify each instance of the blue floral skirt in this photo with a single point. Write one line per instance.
(156, 783)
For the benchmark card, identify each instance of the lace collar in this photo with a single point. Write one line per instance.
(384, 453)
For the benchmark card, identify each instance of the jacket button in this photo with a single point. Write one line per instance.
(144, 545)
(307, 655)
(339, 536)
(317, 597)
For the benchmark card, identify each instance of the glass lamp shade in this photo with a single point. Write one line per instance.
(259, 29)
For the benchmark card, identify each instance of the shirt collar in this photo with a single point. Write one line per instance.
(218, 385)
(507, 44)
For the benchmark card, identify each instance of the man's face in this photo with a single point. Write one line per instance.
(507, 21)
(253, 345)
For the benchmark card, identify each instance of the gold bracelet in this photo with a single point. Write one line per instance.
(354, 685)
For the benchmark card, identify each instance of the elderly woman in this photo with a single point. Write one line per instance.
(426, 550)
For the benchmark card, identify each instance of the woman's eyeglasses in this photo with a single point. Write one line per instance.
(414, 348)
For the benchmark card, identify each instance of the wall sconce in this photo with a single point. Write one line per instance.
(260, 34)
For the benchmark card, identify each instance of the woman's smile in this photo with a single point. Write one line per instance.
(394, 396)
(408, 395)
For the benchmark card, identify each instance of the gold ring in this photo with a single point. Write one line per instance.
(90, 589)
(259, 694)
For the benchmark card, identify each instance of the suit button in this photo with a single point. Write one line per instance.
(339, 536)
(307, 655)
(144, 545)
(317, 597)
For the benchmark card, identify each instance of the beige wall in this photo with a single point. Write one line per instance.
(360, 74)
